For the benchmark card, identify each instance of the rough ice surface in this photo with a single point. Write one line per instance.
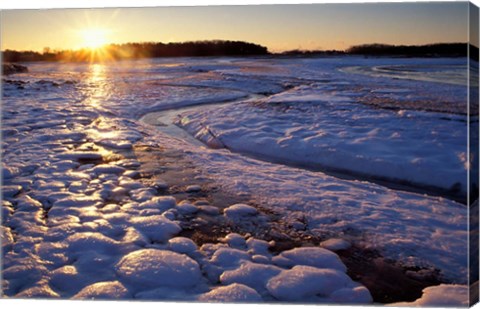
(333, 132)
(443, 295)
(84, 217)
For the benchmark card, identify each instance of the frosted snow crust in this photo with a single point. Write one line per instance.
(79, 221)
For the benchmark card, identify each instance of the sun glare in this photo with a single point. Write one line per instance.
(94, 38)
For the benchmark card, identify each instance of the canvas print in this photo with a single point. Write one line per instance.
(322, 153)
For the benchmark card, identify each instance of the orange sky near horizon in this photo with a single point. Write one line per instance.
(278, 27)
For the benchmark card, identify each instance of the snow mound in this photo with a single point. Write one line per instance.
(157, 228)
(239, 211)
(250, 274)
(108, 169)
(356, 295)
(104, 290)
(182, 245)
(443, 295)
(152, 268)
(235, 240)
(43, 291)
(231, 293)
(92, 241)
(10, 191)
(186, 208)
(78, 201)
(67, 279)
(116, 144)
(335, 244)
(162, 203)
(193, 188)
(142, 194)
(227, 257)
(258, 246)
(306, 283)
(310, 256)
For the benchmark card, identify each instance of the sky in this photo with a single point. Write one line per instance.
(278, 27)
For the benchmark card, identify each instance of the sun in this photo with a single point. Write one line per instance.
(94, 38)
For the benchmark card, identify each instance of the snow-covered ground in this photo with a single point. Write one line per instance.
(82, 217)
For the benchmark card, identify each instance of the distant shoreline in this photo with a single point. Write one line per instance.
(218, 48)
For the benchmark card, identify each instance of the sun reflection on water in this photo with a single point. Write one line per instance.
(97, 89)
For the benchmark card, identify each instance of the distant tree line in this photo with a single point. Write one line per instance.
(232, 48)
(430, 50)
(141, 50)
(312, 53)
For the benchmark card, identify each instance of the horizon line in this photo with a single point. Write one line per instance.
(54, 50)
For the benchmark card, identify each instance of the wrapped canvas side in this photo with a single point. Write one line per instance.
(474, 150)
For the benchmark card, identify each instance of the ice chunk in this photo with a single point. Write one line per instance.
(42, 291)
(135, 237)
(182, 245)
(104, 290)
(10, 191)
(9, 171)
(356, 295)
(193, 188)
(52, 252)
(227, 257)
(443, 295)
(115, 144)
(24, 274)
(310, 256)
(239, 211)
(128, 164)
(142, 194)
(129, 184)
(92, 241)
(152, 268)
(6, 238)
(162, 203)
(186, 208)
(235, 240)
(258, 246)
(157, 228)
(160, 185)
(108, 169)
(27, 204)
(303, 282)
(67, 279)
(209, 210)
(78, 201)
(231, 293)
(335, 244)
(132, 174)
(250, 274)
